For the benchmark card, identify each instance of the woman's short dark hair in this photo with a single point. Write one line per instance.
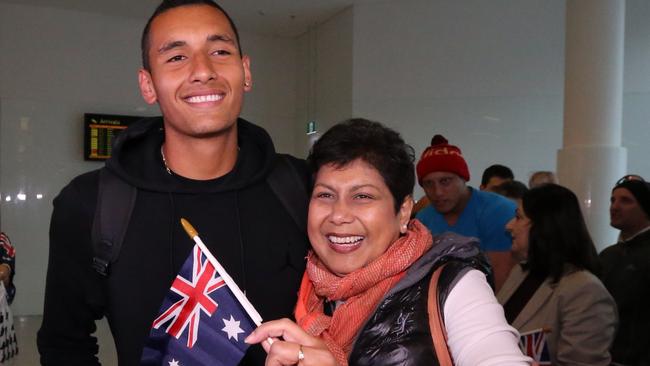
(558, 233)
(381, 147)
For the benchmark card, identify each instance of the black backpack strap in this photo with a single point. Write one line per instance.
(291, 189)
(115, 201)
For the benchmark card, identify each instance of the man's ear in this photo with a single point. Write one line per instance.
(146, 87)
(248, 77)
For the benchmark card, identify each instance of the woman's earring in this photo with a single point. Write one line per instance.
(403, 229)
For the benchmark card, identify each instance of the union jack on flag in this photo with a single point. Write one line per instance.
(185, 313)
(200, 321)
(534, 345)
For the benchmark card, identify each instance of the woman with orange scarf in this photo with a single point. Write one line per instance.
(366, 296)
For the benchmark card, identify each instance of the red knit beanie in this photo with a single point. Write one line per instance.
(442, 157)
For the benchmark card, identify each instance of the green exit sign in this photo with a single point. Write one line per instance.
(311, 127)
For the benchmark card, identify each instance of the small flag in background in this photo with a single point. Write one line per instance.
(200, 322)
(534, 345)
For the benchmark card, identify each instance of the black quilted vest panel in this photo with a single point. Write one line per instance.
(398, 332)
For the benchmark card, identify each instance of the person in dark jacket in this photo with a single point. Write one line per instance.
(365, 293)
(200, 162)
(626, 269)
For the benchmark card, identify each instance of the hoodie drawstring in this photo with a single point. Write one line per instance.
(172, 215)
(242, 252)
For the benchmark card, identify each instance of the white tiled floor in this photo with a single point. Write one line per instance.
(27, 326)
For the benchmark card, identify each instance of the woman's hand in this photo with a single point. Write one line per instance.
(290, 345)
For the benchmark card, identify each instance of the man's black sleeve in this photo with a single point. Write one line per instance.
(74, 296)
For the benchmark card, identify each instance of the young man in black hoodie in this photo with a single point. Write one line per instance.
(199, 161)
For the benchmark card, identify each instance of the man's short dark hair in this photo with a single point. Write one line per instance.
(496, 170)
(171, 4)
(512, 189)
(381, 147)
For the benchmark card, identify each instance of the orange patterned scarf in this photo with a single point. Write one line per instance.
(360, 290)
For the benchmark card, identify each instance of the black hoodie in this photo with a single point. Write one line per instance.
(237, 215)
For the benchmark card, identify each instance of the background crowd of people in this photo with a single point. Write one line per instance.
(588, 307)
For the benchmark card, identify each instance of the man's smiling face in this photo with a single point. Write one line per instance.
(196, 74)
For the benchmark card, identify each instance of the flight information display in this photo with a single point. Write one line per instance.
(100, 130)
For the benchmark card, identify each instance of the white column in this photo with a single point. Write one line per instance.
(592, 158)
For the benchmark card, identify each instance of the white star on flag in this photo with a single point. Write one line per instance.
(232, 328)
(173, 362)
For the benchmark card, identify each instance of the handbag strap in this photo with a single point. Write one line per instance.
(522, 295)
(436, 323)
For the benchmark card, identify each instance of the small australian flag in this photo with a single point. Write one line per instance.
(200, 322)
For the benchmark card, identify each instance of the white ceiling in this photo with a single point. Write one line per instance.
(284, 18)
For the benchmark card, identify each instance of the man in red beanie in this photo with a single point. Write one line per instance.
(443, 174)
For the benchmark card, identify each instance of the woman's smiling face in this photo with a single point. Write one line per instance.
(352, 218)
